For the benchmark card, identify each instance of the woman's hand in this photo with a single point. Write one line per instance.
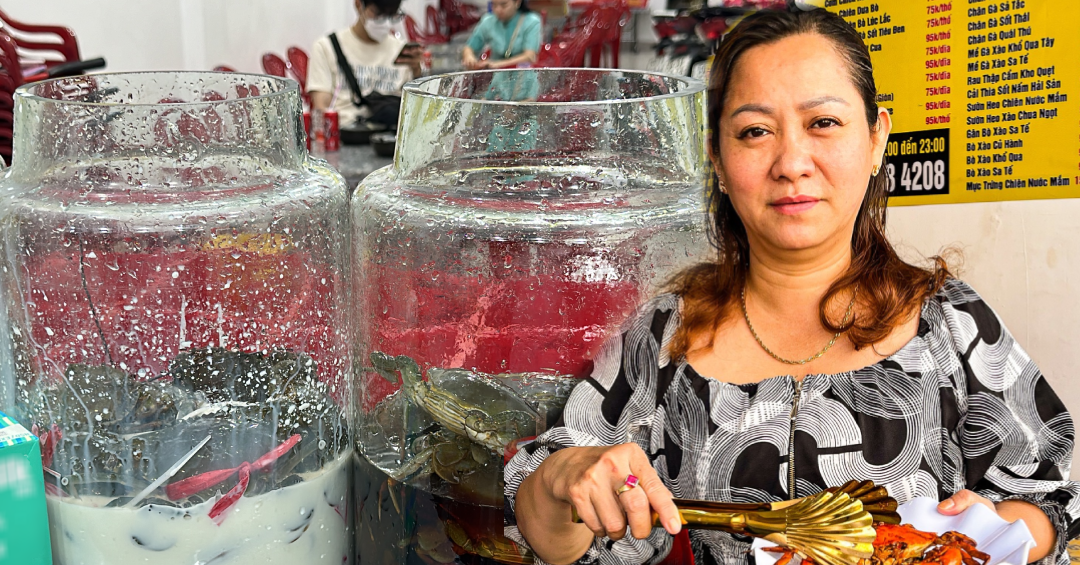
(469, 60)
(476, 64)
(1009, 510)
(963, 500)
(587, 478)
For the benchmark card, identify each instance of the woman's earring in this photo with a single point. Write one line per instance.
(875, 171)
(720, 185)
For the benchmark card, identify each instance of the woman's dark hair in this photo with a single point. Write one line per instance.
(889, 289)
(384, 7)
(524, 6)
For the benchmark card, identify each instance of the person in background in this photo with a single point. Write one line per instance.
(376, 55)
(512, 32)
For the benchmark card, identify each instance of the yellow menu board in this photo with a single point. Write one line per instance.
(984, 95)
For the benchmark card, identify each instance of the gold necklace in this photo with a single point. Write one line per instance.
(847, 316)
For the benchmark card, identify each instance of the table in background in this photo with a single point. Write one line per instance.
(355, 162)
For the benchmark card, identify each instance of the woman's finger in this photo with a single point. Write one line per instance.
(638, 512)
(659, 496)
(610, 513)
(961, 501)
(587, 514)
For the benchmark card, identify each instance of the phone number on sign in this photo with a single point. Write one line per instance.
(918, 176)
(917, 163)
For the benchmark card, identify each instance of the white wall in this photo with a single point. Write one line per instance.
(135, 35)
(1024, 259)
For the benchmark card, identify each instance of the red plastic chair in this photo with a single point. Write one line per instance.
(459, 16)
(412, 29)
(9, 81)
(432, 34)
(548, 57)
(274, 65)
(31, 41)
(596, 29)
(712, 30)
(607, 20)
(436, 23)
(10, 62)
(298, 63)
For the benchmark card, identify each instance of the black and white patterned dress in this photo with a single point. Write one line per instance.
(959, 406)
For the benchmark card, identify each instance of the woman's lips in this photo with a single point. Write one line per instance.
(791, 205)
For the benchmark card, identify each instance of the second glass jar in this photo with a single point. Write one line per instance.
(526, 214)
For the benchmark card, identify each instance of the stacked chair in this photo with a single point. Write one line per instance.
(458, 16)
(594, 31)
(441, 24)
(295, 67)
(27, 52)
(298, 62)
(274, 65)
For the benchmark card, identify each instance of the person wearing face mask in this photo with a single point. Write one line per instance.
(374, 53)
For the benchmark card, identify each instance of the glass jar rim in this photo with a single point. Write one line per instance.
(286, 86)
(692, 86)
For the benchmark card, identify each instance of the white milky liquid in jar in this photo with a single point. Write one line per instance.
(300, 524)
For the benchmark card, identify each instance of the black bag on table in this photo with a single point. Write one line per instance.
(384, 108)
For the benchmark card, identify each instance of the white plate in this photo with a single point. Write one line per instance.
(1007, 544)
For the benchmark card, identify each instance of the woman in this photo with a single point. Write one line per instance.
(808, 341)
(511, 31)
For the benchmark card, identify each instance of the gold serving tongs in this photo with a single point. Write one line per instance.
(833, 527)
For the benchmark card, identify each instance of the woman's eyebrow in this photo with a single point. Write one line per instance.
(807, 105)
(759, 108)
(815, 102)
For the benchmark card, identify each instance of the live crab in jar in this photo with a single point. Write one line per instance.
(172, 321)
(526, 213)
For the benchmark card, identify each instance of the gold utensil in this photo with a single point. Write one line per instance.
(833, 527)
(875, 500)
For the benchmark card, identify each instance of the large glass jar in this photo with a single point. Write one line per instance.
(172, 320)
(526, 214)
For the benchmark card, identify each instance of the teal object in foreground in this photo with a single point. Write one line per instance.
(24, 524)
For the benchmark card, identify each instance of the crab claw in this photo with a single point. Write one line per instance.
(410, 371)
(385, 365)
(495, 432)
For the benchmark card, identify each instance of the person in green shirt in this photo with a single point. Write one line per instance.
(512, 32)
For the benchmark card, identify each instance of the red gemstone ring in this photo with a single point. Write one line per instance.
(630, 483)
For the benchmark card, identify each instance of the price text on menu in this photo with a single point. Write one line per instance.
(984, 95)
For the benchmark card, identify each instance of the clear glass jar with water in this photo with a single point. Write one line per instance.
(526, 214)
(172, 320)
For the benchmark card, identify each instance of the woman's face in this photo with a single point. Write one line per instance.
(796, 151)
(505, 9)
